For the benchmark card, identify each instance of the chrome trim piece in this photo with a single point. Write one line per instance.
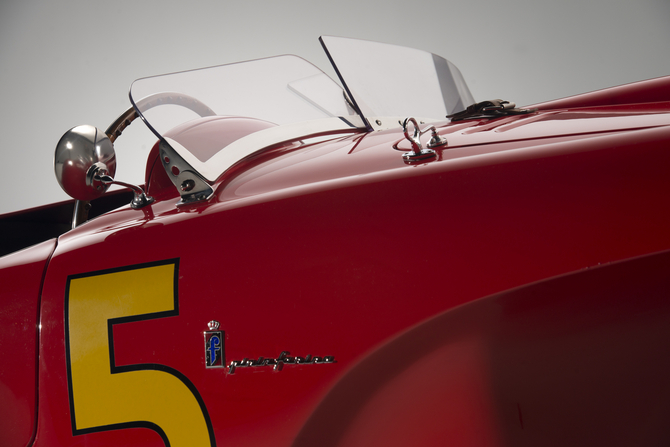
(278, 363)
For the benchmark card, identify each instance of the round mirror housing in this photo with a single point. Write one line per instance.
(81, 153)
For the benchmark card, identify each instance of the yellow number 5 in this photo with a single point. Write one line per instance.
(104, 396)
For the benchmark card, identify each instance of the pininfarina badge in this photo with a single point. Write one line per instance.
(278, 363)
(215, 353)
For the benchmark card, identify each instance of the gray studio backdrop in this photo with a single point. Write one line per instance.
(71, 62)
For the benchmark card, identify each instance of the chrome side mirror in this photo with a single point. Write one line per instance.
(80, 154)
(85, 164)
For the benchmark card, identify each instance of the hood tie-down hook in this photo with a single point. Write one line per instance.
(418, 153)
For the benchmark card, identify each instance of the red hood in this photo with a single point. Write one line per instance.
(345, 159)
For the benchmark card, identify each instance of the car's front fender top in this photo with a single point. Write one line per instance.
(649, 91)
(580, 359)
(21, 275)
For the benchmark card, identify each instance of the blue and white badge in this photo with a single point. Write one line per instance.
(215, 353)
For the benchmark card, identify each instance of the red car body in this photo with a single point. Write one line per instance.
(512, 290)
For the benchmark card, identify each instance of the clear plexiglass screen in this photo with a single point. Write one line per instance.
(281, 90)
(380, 80)
(390, 80)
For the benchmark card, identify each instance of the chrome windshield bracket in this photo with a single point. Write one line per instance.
(192, 186)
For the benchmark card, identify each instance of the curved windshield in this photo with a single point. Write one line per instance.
(247, 106)
(390, 80)
(270, 93)
(280, 90)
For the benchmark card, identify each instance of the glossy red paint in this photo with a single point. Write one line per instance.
(21, 276)
(559, 362)
(643, 92)
(415, 278)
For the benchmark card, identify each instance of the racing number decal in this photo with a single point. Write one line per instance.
(104, 396)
